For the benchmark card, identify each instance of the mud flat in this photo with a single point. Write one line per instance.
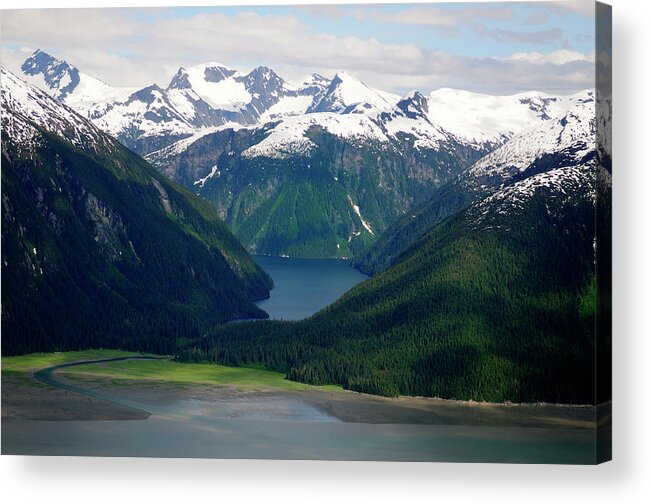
(24, 398)
(154, 418)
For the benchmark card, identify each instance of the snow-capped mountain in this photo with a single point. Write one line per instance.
(26, 107)
(66, 83)
(290, 137)
(250, 141)
(485, 118)
(568, 138)
(200, 97)
(424, 122)
(87, 238)
(316, 83)
(341, 177)
(352, 110)
(211, 82)
(410, 118)
(409, 146)
(140, 118)
(558, 159)
(346, 95)
(242, 97)
(555, 157)
(212, 95)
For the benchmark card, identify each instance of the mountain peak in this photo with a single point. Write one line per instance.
(343, 78)
(217, 72)
(147, 94)
(263, 74)
(412, 106)
(314, 84)
(212, 71)
(216, 64)
(58, 76)
(413, 103)
(40, 55)
(343, 75)
(180, 80)
(347, 94)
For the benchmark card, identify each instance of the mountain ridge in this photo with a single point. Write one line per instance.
(363, 156)
(493, 301)
(566, 140)
(210, 95)
(87, 223)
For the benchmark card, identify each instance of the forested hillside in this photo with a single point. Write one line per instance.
(330, 201)
(564, 141)
(493, 305)
(98, 248)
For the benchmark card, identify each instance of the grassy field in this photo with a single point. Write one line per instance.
(34, 362)
(154, 371)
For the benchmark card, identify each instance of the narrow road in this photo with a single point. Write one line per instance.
(47, 377)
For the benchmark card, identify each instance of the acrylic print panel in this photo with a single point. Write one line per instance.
(342, 232)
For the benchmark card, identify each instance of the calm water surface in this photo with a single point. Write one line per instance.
(187, 432)
(302, 287)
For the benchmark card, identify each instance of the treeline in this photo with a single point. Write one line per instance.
(471, 311)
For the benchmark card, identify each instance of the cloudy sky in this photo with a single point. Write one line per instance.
(488, 47)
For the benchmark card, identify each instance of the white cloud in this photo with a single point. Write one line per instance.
(560, 57)
(548, 36)
(123, 49)
(580, 7)
(446, 18)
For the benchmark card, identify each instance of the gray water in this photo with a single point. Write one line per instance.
(191, 434)
(278, 426)
(302, 287)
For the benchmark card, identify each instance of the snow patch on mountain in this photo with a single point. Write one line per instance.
(224, 93)
(289, 138)
(346, 94)
(161, 156)
(558, 185)
(287, 106)
(571, 134)
(483, 118)
(23, 103)
(359, 214)
(285, 140)
(202, 181)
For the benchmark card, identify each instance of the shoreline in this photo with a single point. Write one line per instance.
(71, 391)
(23, 400)
(472, 401)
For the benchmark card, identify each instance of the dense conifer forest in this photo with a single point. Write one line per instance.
(100, 250)
(488, 291)
(493, 311)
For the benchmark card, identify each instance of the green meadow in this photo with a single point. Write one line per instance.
(33, 362)
(167, 371)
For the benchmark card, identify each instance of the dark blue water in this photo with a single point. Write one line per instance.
(302, 287)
